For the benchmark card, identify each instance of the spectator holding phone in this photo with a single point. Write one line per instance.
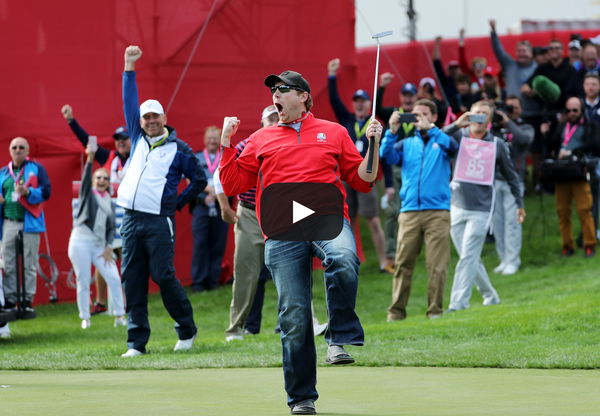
(471, 206)
(425, 215)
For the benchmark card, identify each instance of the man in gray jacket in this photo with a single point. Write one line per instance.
(471, 208)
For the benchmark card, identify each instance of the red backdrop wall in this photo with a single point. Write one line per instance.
(68, 51)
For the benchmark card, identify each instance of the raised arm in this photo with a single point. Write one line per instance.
(501, 55)
(341, 112)
(236, 175)
(67, 111)
(131, 108)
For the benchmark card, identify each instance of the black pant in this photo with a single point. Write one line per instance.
(148, 250)
(210, 237)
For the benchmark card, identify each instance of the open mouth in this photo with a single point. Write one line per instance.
(279, 107)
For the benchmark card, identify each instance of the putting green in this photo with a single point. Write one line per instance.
(344, 391)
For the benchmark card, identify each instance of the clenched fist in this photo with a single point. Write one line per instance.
(230, 126)
(333, 66)
(385, 79)
(67, 112)
(132, 54)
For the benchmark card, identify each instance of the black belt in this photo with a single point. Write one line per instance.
(248, 205)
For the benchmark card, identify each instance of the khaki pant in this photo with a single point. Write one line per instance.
(248, 261)
(433, 228)
(565, 193)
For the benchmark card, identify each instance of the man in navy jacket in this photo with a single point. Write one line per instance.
(148, 192)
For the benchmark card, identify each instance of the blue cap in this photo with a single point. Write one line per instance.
(361, 94)
(409, 88)
(121, 132)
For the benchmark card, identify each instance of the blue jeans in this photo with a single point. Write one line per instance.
(290, 265)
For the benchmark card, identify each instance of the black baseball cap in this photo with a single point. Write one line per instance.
(291, 78)
(121, 132)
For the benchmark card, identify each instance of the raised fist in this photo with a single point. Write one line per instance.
(385, 79)
(230, 126)
(333, 66)
(67, 112)
(493, 24)
(132, 53)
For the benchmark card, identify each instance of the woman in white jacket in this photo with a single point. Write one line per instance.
(91, 239)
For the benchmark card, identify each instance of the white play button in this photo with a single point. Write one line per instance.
(299, 212)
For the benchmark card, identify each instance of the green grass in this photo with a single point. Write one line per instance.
(549, 318)
(384, 391)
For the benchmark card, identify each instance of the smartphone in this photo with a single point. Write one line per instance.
(478, 118)
(408, 118)
(93, 143)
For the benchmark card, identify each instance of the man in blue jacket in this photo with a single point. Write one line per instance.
(425, 214)
(148, 192)
(25, 186)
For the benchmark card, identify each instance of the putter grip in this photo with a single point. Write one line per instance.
(370, 154)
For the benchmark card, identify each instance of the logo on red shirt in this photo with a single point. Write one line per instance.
(321, 137)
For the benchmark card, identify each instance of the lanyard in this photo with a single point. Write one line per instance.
(361, 132)
(211, 165)
(18, 177)
(569, 132)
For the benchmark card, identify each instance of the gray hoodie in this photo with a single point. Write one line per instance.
(475, 197)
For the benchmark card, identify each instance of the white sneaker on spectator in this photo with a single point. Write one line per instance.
(184, 344)
(499, 268)
(510, 269)
(120, 321)
(5, 331)
(235, 337)
(319, 329)
(85, 323)
(492, 300)
(132, 353)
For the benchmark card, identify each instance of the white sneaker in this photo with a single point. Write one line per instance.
(85, 323)
(510, 269)
(489, 301)
(499, 268)
(184, 344)
(132, 353)
(5, 331)
(120, 321)
(319, 329)
(230, 338)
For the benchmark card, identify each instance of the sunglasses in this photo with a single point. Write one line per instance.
(284, 89)
(572, 110)
(17, 147)
(121, 138)
(106, 178)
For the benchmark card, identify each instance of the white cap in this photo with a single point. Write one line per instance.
(151, 106)
(271, 109)
(575, 44)
(427, 80)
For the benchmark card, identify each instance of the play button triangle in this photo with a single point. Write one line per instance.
(299, 212)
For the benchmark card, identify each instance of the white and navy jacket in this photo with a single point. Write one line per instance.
(150, 184)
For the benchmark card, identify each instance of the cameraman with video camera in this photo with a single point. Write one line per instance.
(572, 144)
(508, 124)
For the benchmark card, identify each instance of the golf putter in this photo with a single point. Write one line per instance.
(371, 154)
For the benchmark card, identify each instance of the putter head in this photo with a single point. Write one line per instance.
(382, 34)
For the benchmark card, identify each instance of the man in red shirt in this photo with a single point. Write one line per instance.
(303, 151)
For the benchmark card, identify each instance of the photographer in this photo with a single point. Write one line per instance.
(573, 141)
(508, 124)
